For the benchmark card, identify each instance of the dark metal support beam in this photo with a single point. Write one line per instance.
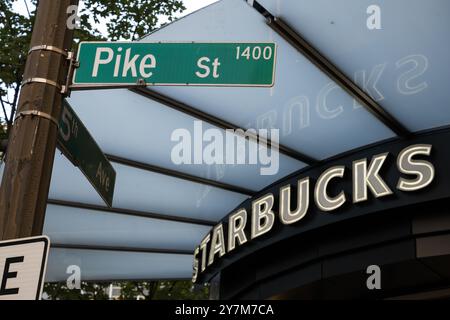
(119, 249)
(320, 61)
(182, 107)
(179, 175)
(129, 212)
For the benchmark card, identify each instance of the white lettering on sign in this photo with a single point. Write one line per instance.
(102, 177)
(329, 195)
(206, 70)
(146, 65)
(130, 64)
(71, 124)
(98, 60)
(22, 268)
(256, 53)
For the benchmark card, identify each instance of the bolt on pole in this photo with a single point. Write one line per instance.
(32, 143)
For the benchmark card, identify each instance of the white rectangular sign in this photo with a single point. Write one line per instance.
(22, 268)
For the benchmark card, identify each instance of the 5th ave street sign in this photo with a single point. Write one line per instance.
(116, 64)
(81, 149)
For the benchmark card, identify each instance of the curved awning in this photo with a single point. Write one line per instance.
(161, 210)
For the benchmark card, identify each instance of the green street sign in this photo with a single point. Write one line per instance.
(122, 64)
(81, 149)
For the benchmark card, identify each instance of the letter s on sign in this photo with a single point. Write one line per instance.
(66, 119)
(423, 170)
(206, 69)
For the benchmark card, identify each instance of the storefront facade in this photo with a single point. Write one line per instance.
(326, 254)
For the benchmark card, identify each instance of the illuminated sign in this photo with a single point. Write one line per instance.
(293, 202)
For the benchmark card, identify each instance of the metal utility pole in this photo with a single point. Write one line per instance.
(32, 142)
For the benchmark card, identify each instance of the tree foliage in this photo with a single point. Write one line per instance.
(129, 290)
(163, 290)
(124, 20)
(15, 36)
(89, 291)
(130, 19)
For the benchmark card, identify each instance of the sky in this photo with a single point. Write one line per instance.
(191, 5)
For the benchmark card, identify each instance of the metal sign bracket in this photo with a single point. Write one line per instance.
(65, 88)
(73, 64)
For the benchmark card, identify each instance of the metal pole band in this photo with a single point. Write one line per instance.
(36, 113)
(48, 48)
(41, 80)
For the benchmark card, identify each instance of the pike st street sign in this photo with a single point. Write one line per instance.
(115, 64)
(78, 145)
